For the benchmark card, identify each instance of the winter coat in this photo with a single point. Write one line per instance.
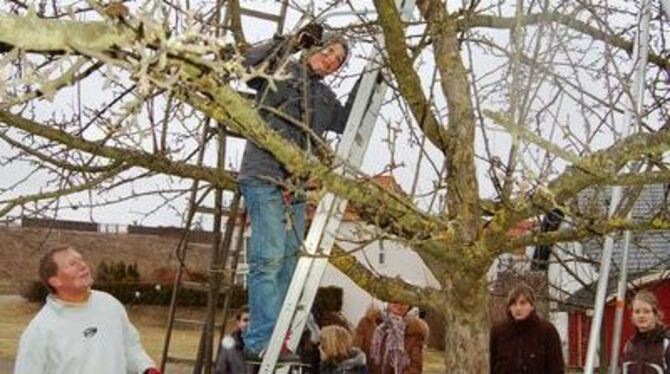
(288, 97)
(648, 353)
(231, 356)
(355, 364)
(529, 346)
(416, 333)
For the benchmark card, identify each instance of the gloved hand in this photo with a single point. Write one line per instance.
(310, 35)
(152, 371)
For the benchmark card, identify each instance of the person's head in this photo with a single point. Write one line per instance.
(645, 313)
(521, 302)
(242, 318)
(330, 57)
(63, 270)
(397, 308)
(335, 343)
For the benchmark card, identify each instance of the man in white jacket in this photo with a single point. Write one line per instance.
(79, 330)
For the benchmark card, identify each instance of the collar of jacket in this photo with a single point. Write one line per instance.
(656, 334)
(524, 323)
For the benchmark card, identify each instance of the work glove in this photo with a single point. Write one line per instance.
(310, 35)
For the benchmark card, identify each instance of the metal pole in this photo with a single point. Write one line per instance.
(620, 304)
(640, 53)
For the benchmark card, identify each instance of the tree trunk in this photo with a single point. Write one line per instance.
(467, 328)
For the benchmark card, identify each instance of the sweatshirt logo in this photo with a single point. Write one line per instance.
(89, 332)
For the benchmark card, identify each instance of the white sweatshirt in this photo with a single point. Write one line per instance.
(94, 337)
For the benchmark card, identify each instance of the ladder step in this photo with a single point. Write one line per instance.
(186, 322)
(210, 210)
(261, 15)
(200, 286)
(180, 360)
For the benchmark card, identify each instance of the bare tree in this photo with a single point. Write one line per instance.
(507, 110)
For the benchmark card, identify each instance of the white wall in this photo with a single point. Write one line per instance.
(399, 261)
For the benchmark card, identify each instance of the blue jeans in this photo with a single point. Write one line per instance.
(273, 254)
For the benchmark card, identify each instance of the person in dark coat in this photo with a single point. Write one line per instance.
(392, 341)
(525, 343)
(338, 355)
(648, 351)
(231, 354)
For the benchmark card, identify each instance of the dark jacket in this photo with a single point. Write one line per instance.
(303, 92)
(355, 364)
(416, 333)
(647, 353)
(231, 356)
(530, 346)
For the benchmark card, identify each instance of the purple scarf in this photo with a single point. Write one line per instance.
(388, 344)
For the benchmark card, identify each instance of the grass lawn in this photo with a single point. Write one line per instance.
(149, 320)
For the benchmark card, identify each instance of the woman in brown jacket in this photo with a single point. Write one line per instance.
(648, 351)
(525, 343)
(392, 341)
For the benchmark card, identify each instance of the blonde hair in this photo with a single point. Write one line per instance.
(336, 343)
(649, 298)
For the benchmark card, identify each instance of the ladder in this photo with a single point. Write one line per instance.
(220, 248)
(321, 236)
(220, 253)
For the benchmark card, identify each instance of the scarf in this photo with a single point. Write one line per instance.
(388, 344)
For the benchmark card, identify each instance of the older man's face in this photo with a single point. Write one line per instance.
(74, 274)
(327, 60)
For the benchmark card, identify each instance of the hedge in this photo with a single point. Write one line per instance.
(145, 294)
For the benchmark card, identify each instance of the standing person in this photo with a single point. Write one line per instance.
(338, 355)
(648, 351)
(231, 356)
(297, 108)
(524, 343)
(392, 340)
(79, 330)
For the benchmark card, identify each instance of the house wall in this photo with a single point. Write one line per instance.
(387, 258)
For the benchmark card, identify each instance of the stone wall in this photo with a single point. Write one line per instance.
(21, 249)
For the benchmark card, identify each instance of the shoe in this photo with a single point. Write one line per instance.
(288, 356)
(253, 356)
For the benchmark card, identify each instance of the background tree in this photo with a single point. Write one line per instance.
(500, 111)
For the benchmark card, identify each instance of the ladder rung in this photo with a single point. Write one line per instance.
(193, 322)
(199, 286)
(210, 210)
(261, 15)
(180, 360)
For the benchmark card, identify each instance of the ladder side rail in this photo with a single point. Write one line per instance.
(239, 245)
(319, 264)
(181, 249)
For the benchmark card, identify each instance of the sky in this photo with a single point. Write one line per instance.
(168, 210)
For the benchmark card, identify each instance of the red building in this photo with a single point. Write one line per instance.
(579, 321)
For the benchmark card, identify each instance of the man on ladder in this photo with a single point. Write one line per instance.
(299, 108)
